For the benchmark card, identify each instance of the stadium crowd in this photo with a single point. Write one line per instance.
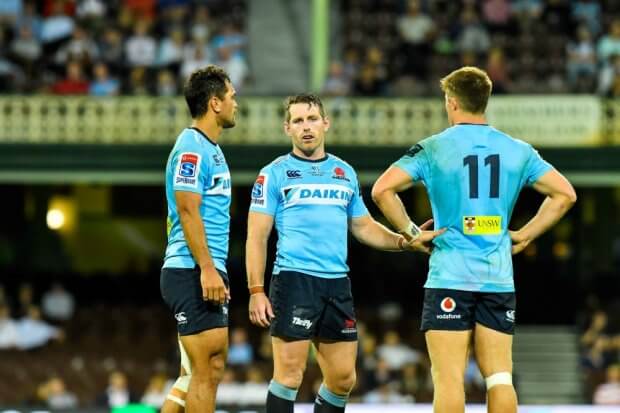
(392, 47)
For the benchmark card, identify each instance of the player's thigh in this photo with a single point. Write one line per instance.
(338, 321)
(337, 359)
(203, 347)
(289, 356)
(448, 353)
(493, 350)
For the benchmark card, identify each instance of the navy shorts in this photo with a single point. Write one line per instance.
(308, 307)
(457, 310)
(182, 292)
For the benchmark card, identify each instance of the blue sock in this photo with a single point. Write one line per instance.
(280, 399)
(328, 402)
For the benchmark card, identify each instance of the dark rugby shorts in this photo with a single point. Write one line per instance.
(308, 307)
(457, 310)
(182, 292)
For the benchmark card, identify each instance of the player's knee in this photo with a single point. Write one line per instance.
(344, 382)
(448, 377)
(290, 375)
(503, 378)
(217, 365)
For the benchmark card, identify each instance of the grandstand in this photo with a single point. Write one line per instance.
(90, 105)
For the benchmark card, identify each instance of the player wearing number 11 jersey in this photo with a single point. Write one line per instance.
(473, 174)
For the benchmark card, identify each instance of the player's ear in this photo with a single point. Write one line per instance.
(287, 129)
(327, 123)
(215, 104)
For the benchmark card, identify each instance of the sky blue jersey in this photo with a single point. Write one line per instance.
(473, 175)
(311, 202)
(196, 164)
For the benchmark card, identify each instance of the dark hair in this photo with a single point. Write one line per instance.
(309, 98)
(202, 85)
(470, 86)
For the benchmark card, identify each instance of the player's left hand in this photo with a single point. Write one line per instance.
(424, 242)
(519, 241)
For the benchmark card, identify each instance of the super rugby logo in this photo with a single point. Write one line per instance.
(258, 191)
(317, 194)
(188, 168)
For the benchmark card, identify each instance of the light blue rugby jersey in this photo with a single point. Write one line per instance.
(196, 164)
(311, 202)
(473, 175)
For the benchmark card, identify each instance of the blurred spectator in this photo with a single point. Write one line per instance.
(9, 73)
(240, 351)
(138, 82)
(416, 30)
(74, 83)
(58, 26)
(228, 389)
(608, 393)
(170, 50)
(234, 64)
(527, 9)
(230, 37)
(166, 84)
(112, 47)
(117, 393)
(609, 78)
(9, 11)
(8, 329)
(33, 332)
(473, 377)
(589, 13)
(91, 9)
(395, 353)
(141, 48)
(411, 380)
(103, 84)
(337, 83)
(156, 391)
(597, 357)
(58, 304)
(597, 327)
(200, 28)
(29, 18)
(496, 14)
(581, 58)
(26, 48)
(609, 44)
(196, 61)
(25, 295)
(382, 373)
(498, 71)
(56, 396)
(81, 47)
(473, 36)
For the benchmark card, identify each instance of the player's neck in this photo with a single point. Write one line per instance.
(208, 127)
(470, 118)
(319, 153)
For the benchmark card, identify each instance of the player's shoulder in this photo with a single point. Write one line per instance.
(192, 140)
(509, 140)
(275, 166)
(341, 162)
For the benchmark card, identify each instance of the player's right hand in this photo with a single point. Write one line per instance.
(213, 288)
(260, 310)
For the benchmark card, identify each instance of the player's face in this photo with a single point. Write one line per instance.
(228, 107)
(306, 128)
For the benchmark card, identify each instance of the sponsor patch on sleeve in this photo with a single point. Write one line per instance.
(259, 191)
(187, 170)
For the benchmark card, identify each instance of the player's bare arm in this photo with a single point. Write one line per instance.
(560, 197)
(188, 204)
(372, 233)
(259, 228)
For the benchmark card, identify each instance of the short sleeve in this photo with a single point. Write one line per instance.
(536, 167)
(265, 193)
(190, 169)
(357, 208)
(414, 162)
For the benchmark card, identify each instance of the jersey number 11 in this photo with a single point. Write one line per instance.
(471, 161)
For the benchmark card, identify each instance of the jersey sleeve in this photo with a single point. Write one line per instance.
(414, 162)
(357, 207)
(190, 169)
(536, 167)
(265, 193)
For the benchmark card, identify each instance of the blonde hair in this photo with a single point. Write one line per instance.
(470, 86)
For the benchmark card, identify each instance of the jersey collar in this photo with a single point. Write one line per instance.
(308, 160)
(203, 135)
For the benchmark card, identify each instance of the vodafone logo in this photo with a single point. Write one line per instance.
(448, 305)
